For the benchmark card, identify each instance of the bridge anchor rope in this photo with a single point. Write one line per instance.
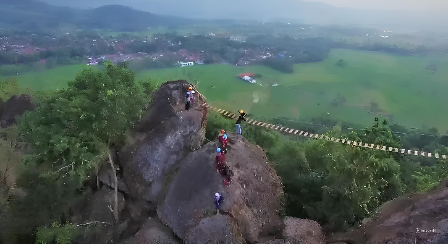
(320, 137)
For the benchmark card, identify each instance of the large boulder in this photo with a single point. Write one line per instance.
(15, 106)
(2, 107)
(303, 231)
(420, 218)
(106, 176)
(215, 229)
(153, 232)
(97, 207)
(252, 200)
(162, 139)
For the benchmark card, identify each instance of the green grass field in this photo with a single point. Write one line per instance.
(400, 86)
(49, 79)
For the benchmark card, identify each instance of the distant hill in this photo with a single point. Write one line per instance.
(309, 12)
(122, 18)
(36, 15)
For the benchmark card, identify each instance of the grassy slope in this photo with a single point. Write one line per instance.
(49, 79)
(399, 85)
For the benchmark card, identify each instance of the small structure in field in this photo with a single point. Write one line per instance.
(247, 77)
(182, 64)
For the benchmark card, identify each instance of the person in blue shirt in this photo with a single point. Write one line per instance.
(238, 122)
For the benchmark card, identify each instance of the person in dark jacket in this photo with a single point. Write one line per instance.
(238, 122)
(218, 201)
(187, 101)
(190, 89)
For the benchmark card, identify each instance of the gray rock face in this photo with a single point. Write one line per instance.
(252, 200)
(153, 231)
(2, 107)
(303, 231)
(216, 228)
(420, 218)
(191, 192)
(15, 106)
(106, 176)
(97, 207)
(165, 135)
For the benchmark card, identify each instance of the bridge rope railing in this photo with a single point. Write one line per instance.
(320, 136)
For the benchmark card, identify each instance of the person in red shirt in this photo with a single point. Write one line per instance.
(226, 173)
(224, 143)
(219, 162)
(220, 137)
(223, 157)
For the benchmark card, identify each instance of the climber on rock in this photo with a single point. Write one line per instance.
(220, 137)
(238, 122)
(190, 89)
(218, 201)
(219, 161)
(226, 173)
(223, 157)
(224, 143)
(187, 101)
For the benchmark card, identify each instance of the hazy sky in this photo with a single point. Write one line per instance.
(389, 4)
(424, 5)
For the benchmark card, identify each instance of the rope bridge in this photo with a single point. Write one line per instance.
(320, 137)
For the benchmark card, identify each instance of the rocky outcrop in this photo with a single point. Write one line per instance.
(303, 231)
(2, 107)
(15, 106)
(97, 207)
(164, 137)
(152, 231)
(169, 180)
(105, 175)
(417, 218)
(252, 200)
(215, 229)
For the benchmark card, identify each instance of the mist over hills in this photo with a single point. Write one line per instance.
(308, 12)
(36, 15)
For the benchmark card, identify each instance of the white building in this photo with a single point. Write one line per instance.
(247, 78)
(182, 64)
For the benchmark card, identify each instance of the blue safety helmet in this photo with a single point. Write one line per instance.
(218, 149)
(224, 136)
(188, 93)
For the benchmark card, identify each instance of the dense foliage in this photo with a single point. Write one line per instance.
(71, 133)
(335, 184)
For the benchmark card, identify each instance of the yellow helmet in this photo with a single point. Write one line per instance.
(190, 88)
(241, 111)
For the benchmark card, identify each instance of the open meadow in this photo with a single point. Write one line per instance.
(372, 84)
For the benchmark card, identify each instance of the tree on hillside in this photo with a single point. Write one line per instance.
(73, 130)
(336, 184)
(341, 63)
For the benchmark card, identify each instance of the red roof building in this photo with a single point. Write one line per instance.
(246, 74)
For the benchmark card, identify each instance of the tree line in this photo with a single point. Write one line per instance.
(70, 134)
(340, 185)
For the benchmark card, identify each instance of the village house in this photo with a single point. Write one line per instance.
(182, 64)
